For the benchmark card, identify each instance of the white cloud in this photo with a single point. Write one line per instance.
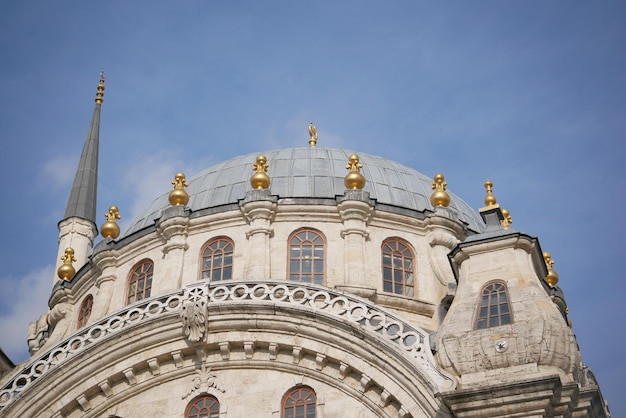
(23, 301)
(59, 171)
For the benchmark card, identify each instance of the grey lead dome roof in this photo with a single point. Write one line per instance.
(309, 173)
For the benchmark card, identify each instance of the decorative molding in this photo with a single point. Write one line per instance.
(195, 314)
(202, 381)
(196, 300)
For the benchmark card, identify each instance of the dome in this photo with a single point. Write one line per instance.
(309, 173)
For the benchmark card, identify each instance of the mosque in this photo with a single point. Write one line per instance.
(304, 282)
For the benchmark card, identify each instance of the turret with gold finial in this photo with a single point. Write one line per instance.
(354, 179)
(552, 278)
(260, 179)
(66, 271)
(312, 135)
(110, 229)
(179, 195)
(440, 196)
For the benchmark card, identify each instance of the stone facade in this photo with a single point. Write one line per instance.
(361, 345)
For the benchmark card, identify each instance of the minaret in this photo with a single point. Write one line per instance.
(78, 229)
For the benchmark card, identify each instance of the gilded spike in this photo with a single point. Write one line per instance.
(179, 196)
(100, 92)
(440, 196)
(354, 179)
(312, 135)
(67, 270)
(552, 278)
(110, 229)
(507, 221)
(260, 179)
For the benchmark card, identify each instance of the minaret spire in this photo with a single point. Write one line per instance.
(77, 229)
(82, 200)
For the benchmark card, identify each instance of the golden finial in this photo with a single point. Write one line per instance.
(354, 179)
(179, 196)
(439, 197)
(313, 135)
(100, 93)
(67, 271)
(110, 229)
(552, 278)
(507, 221)
(490, 199)
(260, 180)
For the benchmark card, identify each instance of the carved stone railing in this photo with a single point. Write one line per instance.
(201, 296)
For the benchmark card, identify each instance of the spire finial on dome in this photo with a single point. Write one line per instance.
(507, 221)
(440, 196)
(110, 229)
(312, 135)
(552, 278)
(67, 270)
(354, 179)
(260, 179)
(100, 92)
(179, 196)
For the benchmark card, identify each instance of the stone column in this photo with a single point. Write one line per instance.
(106, 262)
(444, 231)
(355, 209)
(259, 209)
(172, 227)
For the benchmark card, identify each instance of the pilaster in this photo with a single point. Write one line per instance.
(172, 227)
(355, 208)
(259, 209)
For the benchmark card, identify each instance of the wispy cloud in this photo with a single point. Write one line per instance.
(23, 300)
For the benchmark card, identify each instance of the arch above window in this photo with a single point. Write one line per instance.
(140, 281)
(398, 264)
(217, 259)
(85, 311)
(494, 307)
(299, 402)
(306, 258)
(203, 406)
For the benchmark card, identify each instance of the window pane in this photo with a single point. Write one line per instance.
(228, 272)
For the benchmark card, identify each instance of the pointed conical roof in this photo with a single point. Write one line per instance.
(82, 200)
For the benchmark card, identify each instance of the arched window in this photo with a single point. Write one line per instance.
(203, 406)
(85, 311)
(140, 281)
(494, 308)
(299, 402)
(306, 256)
(398, 267)
(217, 260)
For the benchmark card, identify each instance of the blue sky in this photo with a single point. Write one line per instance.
(529, 94)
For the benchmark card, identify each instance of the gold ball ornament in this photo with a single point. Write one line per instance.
(260, 179)
(110, 229)
(439, 197)
(179, 196)
(490, 199)
(66, 271)
(354, 179)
